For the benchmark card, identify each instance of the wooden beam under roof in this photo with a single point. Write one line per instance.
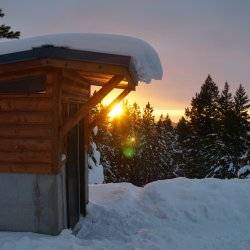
(77, 77)
(80, 67)
(107, 109)
(94, 100)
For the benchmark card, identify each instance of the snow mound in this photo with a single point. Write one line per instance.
(145, 58)
(170, 214)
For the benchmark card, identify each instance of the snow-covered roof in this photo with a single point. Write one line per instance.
(145, 59)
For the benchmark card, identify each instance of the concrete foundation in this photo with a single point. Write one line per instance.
(33, 203)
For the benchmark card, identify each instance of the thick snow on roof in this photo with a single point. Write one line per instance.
(145, 58)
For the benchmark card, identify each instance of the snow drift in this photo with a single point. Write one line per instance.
(170, 214)
(144, 57)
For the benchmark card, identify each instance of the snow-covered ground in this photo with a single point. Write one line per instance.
(170, 214)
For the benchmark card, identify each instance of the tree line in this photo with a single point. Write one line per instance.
(212, 140)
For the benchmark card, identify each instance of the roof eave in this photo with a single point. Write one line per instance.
(48, 55)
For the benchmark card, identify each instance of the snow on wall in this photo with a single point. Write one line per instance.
(96, 175)
(145, 58)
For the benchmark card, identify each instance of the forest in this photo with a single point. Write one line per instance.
(211, 140)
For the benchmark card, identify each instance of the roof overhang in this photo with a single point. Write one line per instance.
(95, 67)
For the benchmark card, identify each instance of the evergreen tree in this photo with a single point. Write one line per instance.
(183, 148)
(204, 113)
(225, 100)
(135, 117)
(227, 115)
(241, 132)
(165, 123)
(5, 31)
(149, 149)
(166, 140)
(183, 129)
(233, 149)
(204, 147)
(132, 144)
(224, 167)
(120, 130)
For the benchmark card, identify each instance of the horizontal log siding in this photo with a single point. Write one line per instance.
(74, 91)
(27, 130)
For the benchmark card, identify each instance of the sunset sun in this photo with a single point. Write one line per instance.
(116, 111)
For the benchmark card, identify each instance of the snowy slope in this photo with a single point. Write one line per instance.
(145, 58)
(172, 214)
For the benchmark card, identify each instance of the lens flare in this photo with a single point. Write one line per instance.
(132, 139)
(128, 152)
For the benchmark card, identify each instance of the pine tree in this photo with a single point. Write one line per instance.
(166, 139)
(241, 105)
(224, 167)
(183, 129)
(241, 131)
(182, 152)
(226, 108)
(233, 136)
(165, 123)
(203, 114)
(204, 145)
(120, 130)
(149, 148)
(225, 99)
(6, 32)
(135, 117)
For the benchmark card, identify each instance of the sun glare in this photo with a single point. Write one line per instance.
(116, 111)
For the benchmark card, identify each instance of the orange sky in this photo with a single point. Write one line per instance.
(136, 96)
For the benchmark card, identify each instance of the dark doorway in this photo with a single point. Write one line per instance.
(83, 165)
(72, 173)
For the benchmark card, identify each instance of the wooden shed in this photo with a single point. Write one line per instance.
(44, 104)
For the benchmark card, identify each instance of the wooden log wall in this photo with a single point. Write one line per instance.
(30, 122)
(27, 127)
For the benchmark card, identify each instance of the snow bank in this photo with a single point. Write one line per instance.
(145, 58)
(170, 214)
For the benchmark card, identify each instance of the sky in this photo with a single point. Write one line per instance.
(193, 38)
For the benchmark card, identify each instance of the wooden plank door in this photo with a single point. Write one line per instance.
(72, 172)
